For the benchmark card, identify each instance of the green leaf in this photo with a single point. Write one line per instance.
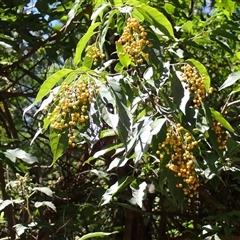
(107, 107)
(107, 133)
(135, 135)
(49, 83)
(124, 59)
(180, 94)
(218, 116)
(111, 119)
(125, 116)
(224, 33)
(108, 18)
(176, 193)
(117, 3)
(232, 78)
(125, 122)
(143, 140)
(170, 9)
(128, 206)
(224, 45)
(83, 42)
(202, 70)
(212, 159)
(228, 5)
(137, 15)
(96, 235)
(188, 26)
(58, 144)
(154, 17)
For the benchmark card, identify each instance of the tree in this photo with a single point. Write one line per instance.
(138, 103)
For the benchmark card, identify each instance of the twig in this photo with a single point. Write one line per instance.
(41, 44)
(9, 209)
(234, 103)
(225, 107)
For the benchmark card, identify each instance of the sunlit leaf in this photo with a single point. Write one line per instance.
(50, 83)
(188, 26)
(137, 15)
(219, 117)
(7, 202)
(48, 100)
(139, 192)
(83, 42)
(106, 150)
(44, 190)
(181, 95)
(232, 78)
(20, 229)
(147, 75)
(39, 131)
(154, 17)
(143, 141)
(116, 187)
(156, 125)
(13, 154)
(96, 235)
(73, 11)
(100, 9)
(117, 3)
(202, 70)
(45, 203)
(117, 162)
(123, 57)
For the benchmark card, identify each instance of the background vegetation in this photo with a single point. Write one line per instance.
(119, 119)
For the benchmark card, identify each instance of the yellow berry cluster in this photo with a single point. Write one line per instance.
(94, 53)
(180, 144)
(134, 40)
(70, 108)
(222, 135)
(194, 83)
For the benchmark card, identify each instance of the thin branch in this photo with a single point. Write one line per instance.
(7, 95)
(225, 107)
(9, 119)
(9, 209)
(237, 102)
(41, 44)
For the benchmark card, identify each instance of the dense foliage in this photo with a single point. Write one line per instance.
(119, 119)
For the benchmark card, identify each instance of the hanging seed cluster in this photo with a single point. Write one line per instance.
(70, 108)
(180, 144)
(133, 40)
(94, 53)
(194, 83)
(222, 135)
